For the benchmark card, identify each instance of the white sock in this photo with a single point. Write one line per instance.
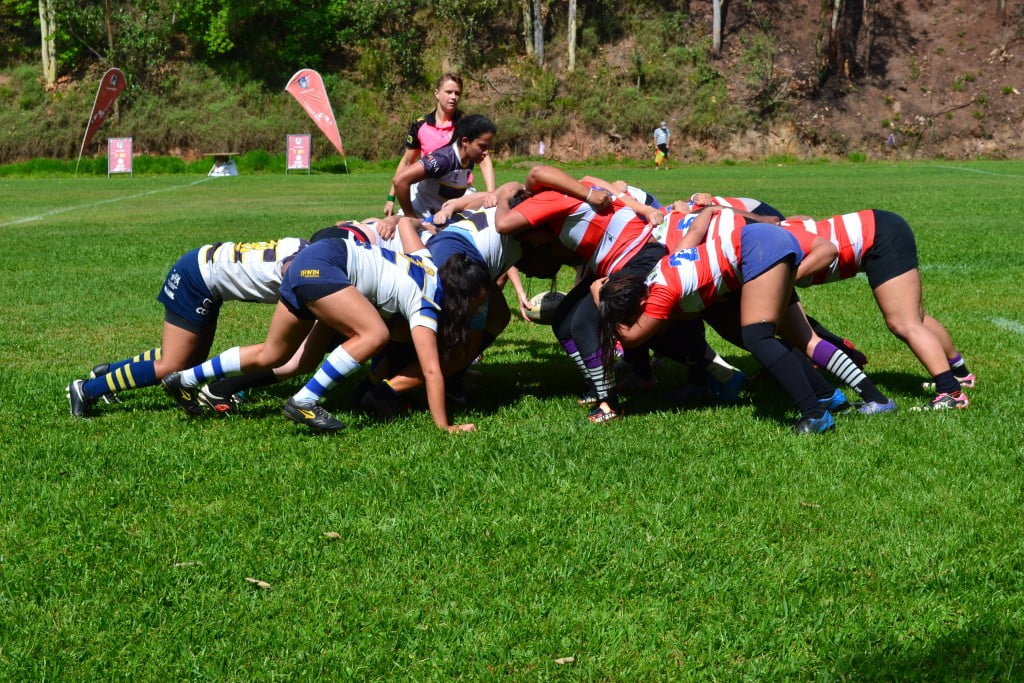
(336, 366)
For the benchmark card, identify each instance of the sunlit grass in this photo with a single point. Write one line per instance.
(697, 544)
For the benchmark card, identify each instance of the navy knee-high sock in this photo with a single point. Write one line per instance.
(759, 339)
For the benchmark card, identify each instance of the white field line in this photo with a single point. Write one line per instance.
(974, 170)
(54, 212)
(1011, 325)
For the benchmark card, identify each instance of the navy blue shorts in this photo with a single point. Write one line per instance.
(315, 272)
(762, 246)
(894, 251)
(188, 302)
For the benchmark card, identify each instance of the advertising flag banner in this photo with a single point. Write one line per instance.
(111, 85)
(299, 152)
(308, 88)
(119, 156)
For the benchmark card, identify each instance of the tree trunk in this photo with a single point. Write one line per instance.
(1002, 11)
(572, 35)
(837, 6)
(47, 29)
(538, 31)
(528, 26)
(110, 30)
(869, 34)
(716, 27)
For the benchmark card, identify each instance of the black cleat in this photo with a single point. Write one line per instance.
(315, 417)
(81, 405)
(99, 371)
(184, 396)
(219, 404)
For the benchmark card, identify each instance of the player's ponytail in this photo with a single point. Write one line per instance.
(621, 302)
(461, 279)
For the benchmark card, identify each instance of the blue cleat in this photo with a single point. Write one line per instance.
(876, 408)
(836, 403)
(728, 391)
(815, 425)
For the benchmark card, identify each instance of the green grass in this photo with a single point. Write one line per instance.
(675, 544)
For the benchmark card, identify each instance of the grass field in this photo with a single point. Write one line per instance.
(676, 544)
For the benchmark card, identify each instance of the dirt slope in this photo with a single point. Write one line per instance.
(920, 78)
(943, 77)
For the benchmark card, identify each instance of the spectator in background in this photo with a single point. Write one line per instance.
(433, 131)
(661, 138)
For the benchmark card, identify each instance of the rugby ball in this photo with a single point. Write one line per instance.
(542, 307)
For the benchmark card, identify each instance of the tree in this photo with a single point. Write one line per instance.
(572, 35)
(716, 27)
(538, 30)
(527, 26)
(47, 29)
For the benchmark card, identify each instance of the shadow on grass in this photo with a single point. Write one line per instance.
(899, 382)
(983, 651)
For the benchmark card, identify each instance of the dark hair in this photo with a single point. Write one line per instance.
(519, 197)
(449, 76)
(340, 230)
(620, 304)
(330, 232)
(461, 279)
(473, 126)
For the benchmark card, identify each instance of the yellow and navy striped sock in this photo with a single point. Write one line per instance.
(130, 373)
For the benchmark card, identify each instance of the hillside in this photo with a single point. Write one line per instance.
(900, 79)
(944, 79)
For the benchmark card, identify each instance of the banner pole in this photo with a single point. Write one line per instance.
(80, 149)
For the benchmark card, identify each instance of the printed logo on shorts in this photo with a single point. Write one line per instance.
(309, 272)
(204, 310)
(173, 280)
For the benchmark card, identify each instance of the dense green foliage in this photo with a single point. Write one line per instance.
(206, 74)
(700, 544)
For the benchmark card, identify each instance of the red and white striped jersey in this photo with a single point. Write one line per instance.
(738, 203)
(852, 233)
(724, 225)
(691, 280)
(605, 241)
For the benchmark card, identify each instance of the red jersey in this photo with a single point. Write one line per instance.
(740, 203)
(852, 233)
(605, 241)
(724, 225)
(691, 280)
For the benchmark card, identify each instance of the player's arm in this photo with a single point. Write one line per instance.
(409, 233)
(619, 190)
(507, 221)
(476, 200)
(408, 158)
(517, 285)
(487, 169)
(639, 332)
(425, 341)
(409, 176)
(817, 259)
(698, 230)
(756, 217)
(543, 177)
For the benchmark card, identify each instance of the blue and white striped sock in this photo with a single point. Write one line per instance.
(220, 366)
(335, 367)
